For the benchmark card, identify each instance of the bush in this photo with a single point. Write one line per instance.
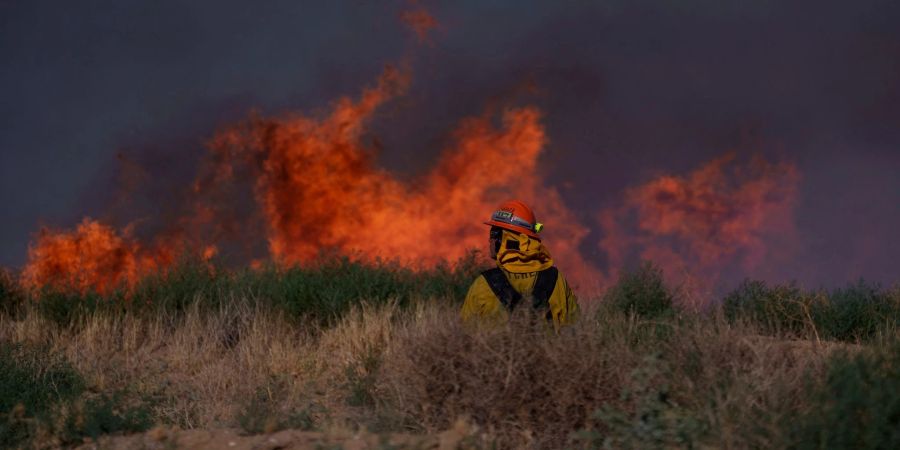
(778, 309)
(66, 308)
(526, 386)
(654, 420)
(174, 288)
(97, 416)
(857, 406)
(858, 312)
(642, 292)
(327, 290)
(41, 394)
(31, 382)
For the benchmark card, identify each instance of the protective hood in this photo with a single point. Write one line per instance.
(522, 254)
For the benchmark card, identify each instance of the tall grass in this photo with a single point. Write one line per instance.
(610, 380)
(374, 346)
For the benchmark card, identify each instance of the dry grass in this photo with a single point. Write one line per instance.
(525, 386)
(531, 390)
(745, 384)
(201, 367)
(419, 370)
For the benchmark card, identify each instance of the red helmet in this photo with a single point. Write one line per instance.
(514, 215)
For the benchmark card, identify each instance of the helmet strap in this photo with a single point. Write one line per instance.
(496, 238)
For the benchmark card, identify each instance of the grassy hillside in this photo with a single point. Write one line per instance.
(344, 345)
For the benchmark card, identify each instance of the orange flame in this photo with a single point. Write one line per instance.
(93, 256)
(717, 214)
(317, 188)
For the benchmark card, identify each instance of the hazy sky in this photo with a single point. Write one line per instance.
(629, 89)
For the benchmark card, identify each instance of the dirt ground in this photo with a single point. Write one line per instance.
(229, 439)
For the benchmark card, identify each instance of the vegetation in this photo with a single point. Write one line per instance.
(642, 292)
(859, 312)
(321, 292)
(342, 344)
(44, 401)
(857, 405)
(11, 296)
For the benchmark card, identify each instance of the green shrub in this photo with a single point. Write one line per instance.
(35, 378)
(32, 381)
(778, 309)
(858, 312)
(653, 421)
(40, 391)
(330, 288)
(170, 289)
(642, 292)
(174, 288)
(327, 290)
(857, 406)
(65, 308)
(98, 416)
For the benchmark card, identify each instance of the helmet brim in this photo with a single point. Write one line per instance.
(515, 228)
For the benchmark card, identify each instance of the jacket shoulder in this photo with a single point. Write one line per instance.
(563, 302)
(480, 300)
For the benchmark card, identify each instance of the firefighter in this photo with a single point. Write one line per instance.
(525, 276)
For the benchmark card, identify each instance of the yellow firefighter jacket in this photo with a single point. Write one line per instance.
(521, 260)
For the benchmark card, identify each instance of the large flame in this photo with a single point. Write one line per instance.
(316, 187)
(319, 188)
